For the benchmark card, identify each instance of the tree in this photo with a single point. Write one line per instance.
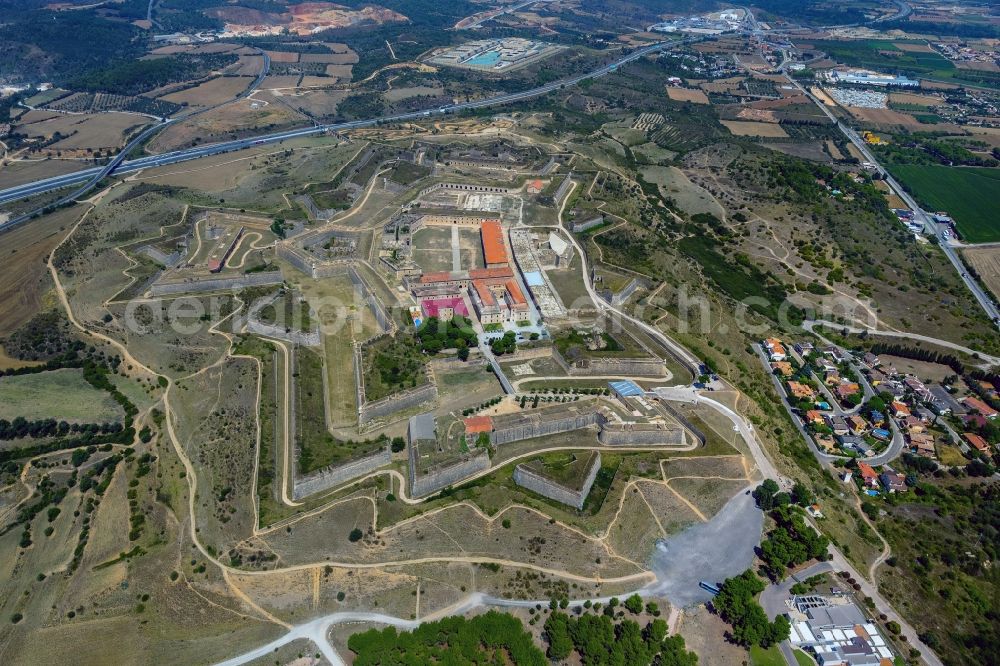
(634, 604)
(764, 494)
(801, 494)
(557, 634)
(398, 444)
(355, 535)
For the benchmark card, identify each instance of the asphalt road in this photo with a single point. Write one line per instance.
(90, 177)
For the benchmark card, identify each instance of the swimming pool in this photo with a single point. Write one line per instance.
(487, 59)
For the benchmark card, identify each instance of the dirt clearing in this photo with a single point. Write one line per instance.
(986, 262)
(687, 95)
(747, 128)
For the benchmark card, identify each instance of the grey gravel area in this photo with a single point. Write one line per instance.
(712, 551)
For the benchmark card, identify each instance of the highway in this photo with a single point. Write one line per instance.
(90, 177)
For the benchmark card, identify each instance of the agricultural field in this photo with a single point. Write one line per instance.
(63, 395)
(967, 193)
(985, 261)
(210, 93)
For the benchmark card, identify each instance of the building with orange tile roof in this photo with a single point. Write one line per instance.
(800, 390)
(783, 367)
(978, 405)
(494, 248)
(474, 425)
(868, 475)
(977, 442)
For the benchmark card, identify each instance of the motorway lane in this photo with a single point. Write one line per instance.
(92, 176)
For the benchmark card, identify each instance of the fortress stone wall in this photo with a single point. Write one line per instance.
(397, 402)
(590, 223)
(335, 475)
(612, 367)
(527, 478)
(646, 434)
(304, 338)
(432, 480)
(236, 282)
(518, 427)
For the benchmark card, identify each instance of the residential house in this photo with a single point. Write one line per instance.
(918, 388)
(804, 348)
(838, 424)
(923, 445)
(876, 416)
(858, 425)
(912, 424)
(868, 475)
(825, 365)
(775, 349)
(988, 389)
(834, 353)
(899, 410)
(814, 416)
(814, 511)
(801, 391)
(877, 377)
(977, 442)
(881, 434)
(784, 368)
(894, 482)
(870, 359)
(975, 404)
(853, 443)
(845, 390)
(831, 377)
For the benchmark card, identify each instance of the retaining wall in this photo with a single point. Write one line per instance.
(625, 434)
(530, 428)
(528, 478)
(218, 283)
(422, 484)
(578, 227)
(617, 367)
(397, 402)
(305, 338)
(330, 477)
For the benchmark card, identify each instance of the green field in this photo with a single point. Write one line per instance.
(63, 395)
(968, 194)
(769, 657)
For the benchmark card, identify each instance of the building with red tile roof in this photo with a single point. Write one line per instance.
(979, 406)
(494, 248)
(474, 425)
(977, 442)
(868, 475)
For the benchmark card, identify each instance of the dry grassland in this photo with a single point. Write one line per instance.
(986, 262)
(280, 81)
(348, 58)
(248, 65)
(24, 278)
(884, 117)
(340, 71)
(282, 56)
(913, 98)
(745, 128)
(210, 93)
(98, 130)
(215, 124)
(687, 95)
(913, 48)
(891, 197)
(21, 172)
(317, 103)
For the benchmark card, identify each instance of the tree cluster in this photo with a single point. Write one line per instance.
(491, 638)
(600, 642)
(790, 543)
(736, 604)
